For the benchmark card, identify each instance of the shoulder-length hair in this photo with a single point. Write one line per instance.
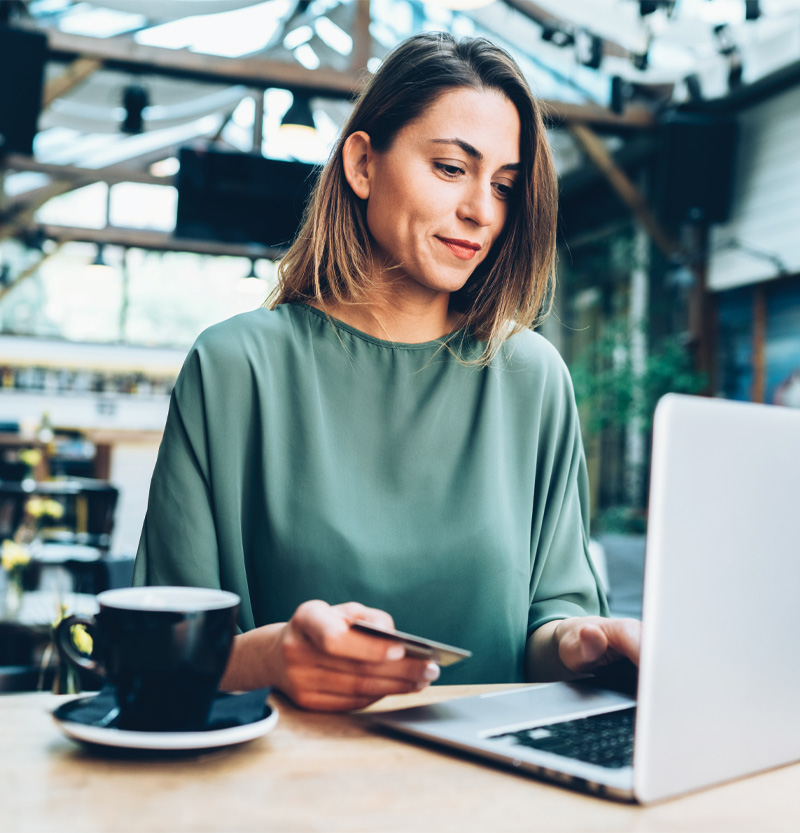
(331, 258)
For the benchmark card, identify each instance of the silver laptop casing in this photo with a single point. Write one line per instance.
(719, 679)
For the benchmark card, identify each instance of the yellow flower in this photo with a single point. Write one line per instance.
(13, 555)
(31, 456)
(81, 639)
(35, 507)
(52, 509)
(38, 507)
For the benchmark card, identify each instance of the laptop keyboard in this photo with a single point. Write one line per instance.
(602, 739)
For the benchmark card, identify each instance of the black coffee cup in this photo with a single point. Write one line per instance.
(164, 650)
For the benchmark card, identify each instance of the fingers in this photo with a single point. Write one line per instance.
(625, 637)
(580, 645)
(328, 666)
(592, 645)
(328, 629)
(353, 611)
(299, 651)
(313, 681)
(587, 642)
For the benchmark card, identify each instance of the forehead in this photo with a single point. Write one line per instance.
(484, 118)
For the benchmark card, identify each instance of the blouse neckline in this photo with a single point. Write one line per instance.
(392, 345)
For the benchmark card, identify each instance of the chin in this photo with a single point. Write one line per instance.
(446, 284)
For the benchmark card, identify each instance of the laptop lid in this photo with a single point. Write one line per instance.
(719, 681)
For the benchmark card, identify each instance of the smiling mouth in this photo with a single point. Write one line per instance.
(462, 249)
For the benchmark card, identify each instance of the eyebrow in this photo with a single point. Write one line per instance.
(472, 151)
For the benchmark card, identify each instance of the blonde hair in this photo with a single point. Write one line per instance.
(331, 258)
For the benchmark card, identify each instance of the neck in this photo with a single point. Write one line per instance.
(398, 318)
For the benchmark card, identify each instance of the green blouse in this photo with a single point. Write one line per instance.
(303, 459)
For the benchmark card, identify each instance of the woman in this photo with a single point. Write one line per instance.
(390, 441)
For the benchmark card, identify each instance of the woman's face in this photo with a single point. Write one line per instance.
(438, 198)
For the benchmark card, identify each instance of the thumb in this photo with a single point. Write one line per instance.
(582, 645)
(592, 644)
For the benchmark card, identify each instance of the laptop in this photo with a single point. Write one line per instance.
(718, 689)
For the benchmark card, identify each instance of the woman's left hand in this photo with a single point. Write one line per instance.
(589, 642)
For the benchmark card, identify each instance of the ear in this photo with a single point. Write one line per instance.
(356, 156)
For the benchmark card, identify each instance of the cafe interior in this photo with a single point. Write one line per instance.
(155, 159)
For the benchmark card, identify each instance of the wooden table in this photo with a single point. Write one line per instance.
(329, 773)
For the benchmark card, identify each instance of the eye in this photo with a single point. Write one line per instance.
(450, 170)
(504, 189)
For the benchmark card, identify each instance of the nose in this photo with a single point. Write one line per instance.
(478, 204)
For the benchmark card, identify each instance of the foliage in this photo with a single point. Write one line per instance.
(14, 557)
(620, 519)
(613, 393)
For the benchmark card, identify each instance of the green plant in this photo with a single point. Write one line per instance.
(613, 393)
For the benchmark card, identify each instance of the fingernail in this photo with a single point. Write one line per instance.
(432, 672)
(395, 652)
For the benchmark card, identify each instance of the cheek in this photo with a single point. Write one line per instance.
(395, 210)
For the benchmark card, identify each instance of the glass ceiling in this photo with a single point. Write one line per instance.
(570, 50)
(556, 43)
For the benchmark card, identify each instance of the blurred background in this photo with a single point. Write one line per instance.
(155, 156)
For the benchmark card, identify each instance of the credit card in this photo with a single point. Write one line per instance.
(416, 647)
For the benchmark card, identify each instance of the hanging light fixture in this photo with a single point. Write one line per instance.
(134, 99)
(298, 118)
(556, 36)
(588, 49)
(251, 284)
(99, 268)
(752, 9)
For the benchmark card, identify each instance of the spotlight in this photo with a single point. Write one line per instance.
(647, 7)
(693, 87)
(621, 94)
(735, 72)
(134, 99)
(725, 42)
(299, 115)
(556, 36)
(588, 49)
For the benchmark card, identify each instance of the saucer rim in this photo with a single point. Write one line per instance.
(165, 741)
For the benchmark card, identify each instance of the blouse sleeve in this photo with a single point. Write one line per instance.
(178, 545)
(564, 582)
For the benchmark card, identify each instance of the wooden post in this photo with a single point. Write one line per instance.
(759, 384)
(597, 152)
(258, 121)
(702, 324)
(362, 47)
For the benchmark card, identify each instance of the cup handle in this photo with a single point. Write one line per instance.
(66, 647)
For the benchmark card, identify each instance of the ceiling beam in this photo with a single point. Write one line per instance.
(540, 15)
(559, 113)
(79, 70)
(160, 241)
(30, 270)
(597, 152)
(362, 40)
(125, 54)
(112, 174)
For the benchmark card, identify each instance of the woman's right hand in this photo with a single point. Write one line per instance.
(317, 660)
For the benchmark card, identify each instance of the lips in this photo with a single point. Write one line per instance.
(462, 249)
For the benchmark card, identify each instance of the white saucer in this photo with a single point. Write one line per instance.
(126, 739)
